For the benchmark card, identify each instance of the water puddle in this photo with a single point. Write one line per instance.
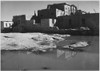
(53, 59)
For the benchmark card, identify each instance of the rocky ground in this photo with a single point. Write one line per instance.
(36, 41)
(25, 41)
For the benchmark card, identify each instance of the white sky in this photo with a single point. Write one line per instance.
(11, 8)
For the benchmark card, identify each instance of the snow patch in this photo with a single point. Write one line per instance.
(35, 41)
(80, 44)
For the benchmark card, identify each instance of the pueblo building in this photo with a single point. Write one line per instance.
(62, 16)
(52, 12)
(6, 24)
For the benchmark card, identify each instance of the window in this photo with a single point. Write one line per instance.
(6, 25)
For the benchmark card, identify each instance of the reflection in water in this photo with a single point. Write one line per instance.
(67, 53)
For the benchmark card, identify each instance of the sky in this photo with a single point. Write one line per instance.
(11, 8)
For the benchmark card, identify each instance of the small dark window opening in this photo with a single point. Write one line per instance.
(6, 24)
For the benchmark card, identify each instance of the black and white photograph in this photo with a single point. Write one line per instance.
(49, 35)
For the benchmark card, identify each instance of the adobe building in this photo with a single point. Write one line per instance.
(70, 21)
(80, 20)
(19, 19)
(62, 15)
(6, 24)
(20, 23)
(91, 21)
(56, 10)
(35, 18)
(48, 22)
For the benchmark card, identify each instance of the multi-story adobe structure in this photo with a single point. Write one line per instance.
(56, 10)
(63, 16)
(52, 12)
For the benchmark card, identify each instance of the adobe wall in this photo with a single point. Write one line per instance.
(2, 25)
(76, 21)
(66, 22)
(47, 13)
(92, 21)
